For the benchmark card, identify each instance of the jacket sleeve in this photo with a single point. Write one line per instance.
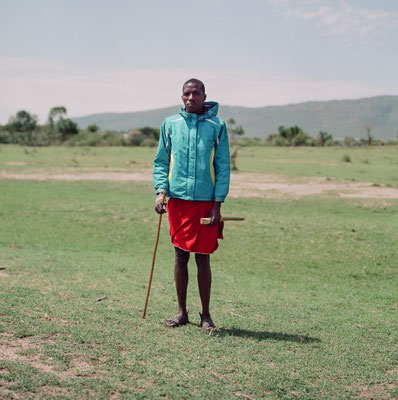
(222, 165)
(162, 161)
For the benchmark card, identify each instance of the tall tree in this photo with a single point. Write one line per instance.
(324, 138)
(56, 112)
(368, 128)
(54, 116)
(24, 123)
(234, 131)
(66, 127)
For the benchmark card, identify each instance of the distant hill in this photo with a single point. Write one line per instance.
(338, 117)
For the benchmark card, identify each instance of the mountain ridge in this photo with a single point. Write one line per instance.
(339, 117)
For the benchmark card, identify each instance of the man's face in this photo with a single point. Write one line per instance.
(193, 98)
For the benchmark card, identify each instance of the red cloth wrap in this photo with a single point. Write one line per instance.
(187, 232)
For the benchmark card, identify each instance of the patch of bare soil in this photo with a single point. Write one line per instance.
(14, 163)
(74, 174)
(24, 350)
(242, 184)
(29, 350)
(263, 185)
(378, 391)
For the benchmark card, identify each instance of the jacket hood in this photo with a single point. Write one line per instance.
(211, 110)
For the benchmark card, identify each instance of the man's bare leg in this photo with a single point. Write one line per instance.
(204, 283)
(181, 279)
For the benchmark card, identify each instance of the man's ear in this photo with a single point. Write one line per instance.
(205, 97)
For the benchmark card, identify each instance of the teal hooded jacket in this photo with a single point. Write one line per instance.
(192, 161)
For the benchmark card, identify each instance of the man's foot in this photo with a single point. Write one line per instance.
(178, 320)
(206, 323)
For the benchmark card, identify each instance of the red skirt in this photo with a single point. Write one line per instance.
(187, 232)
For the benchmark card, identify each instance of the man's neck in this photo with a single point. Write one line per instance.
(201, 112)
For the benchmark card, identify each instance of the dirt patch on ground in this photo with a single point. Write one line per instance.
(28, 350)
(14, 163)
(262, 185)
(23, 350)
(74, 174)
(242, 184)
(377, 391)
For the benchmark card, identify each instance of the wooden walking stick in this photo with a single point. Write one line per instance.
(153, 259)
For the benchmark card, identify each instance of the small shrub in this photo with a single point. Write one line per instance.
(5, 136)
(85, 138)
(93, 128)
(146, 136)
(346, 158)
(149, 142)
(350, 141)
(110, 138)
(280, 141)
(301, 139)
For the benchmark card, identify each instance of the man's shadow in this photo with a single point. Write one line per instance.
(265, 335)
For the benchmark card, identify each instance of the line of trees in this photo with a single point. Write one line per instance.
(23, 129)
(295, 136)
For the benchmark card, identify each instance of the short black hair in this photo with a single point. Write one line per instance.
(196, 82)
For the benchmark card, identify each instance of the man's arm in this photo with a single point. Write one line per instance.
(161, 168)
(222, 165)
(222, 168)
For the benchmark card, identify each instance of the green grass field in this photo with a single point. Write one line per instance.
(304, 291)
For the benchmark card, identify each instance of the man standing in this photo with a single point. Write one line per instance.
(192, 166)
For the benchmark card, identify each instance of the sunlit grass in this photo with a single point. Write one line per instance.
(304, 297)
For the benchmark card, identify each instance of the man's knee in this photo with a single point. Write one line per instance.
(202, 260)
(182, 256)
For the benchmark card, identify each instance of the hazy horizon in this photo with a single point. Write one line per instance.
(178, 106)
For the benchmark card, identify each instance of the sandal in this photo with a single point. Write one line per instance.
(178, 320)
(206, 323)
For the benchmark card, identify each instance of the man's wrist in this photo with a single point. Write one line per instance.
(160, 197)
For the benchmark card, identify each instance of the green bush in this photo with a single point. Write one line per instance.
(301, 139)
(66, 128)
(149, 142)
(110, 138)
(146, 136)
(292, 136)
(324, 139)
(5, 136)
(350, 141)
(86, 138)
(134, 138)
(346, 158)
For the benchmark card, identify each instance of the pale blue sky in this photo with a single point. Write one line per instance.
(98, 56)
